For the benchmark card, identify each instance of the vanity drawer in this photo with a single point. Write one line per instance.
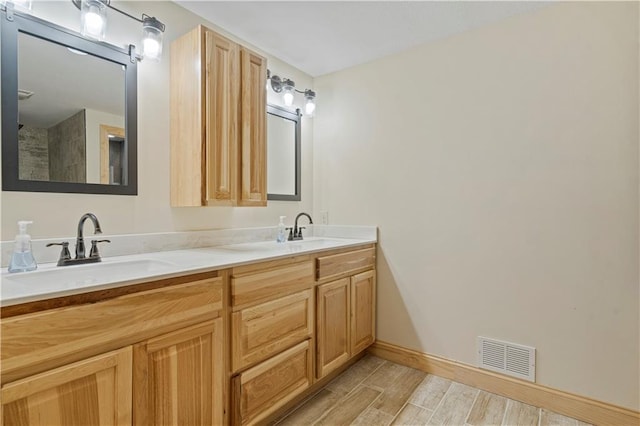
(268, 328)
(265, 388)
(343, 263)
(40, 341)
(254, 287)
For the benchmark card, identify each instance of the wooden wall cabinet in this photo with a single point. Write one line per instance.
(346, 308)
(218, 122)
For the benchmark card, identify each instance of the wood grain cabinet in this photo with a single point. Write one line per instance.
(75, 364)
(363, 311)
(94, 391)
(218, 122)
(345, 307)
(263, 389)
(179, 377)
(333, 325)
(272, 324)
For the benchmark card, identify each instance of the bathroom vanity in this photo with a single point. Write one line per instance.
(237, 341)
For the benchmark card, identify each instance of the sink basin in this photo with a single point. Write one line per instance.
(88, 274)
(310, 243)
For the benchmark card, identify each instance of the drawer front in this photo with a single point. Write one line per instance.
(255, 287)
(266, 329)
(343, 263)
(265, 388)
(40, 341)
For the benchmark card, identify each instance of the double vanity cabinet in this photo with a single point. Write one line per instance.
(239, 345)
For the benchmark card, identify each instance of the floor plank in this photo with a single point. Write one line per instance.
(350, 407)
(429, 393)
(488, 410)
(455, 406)
(397, 383)
(520, 414)
(313, 409)
(356, 374)
(373, 417)
(549, 418)
(412, 415)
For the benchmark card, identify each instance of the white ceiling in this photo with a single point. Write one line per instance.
(320, 37)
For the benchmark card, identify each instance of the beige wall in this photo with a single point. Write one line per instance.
(57, 214)
(501, 166)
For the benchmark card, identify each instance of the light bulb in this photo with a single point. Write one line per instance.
(309, 102)
(309, 107)
(288, 88)
(288, 98)
(151, 48)
(92, 23)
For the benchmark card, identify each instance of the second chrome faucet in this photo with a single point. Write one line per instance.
(94, 256)
(296, 233)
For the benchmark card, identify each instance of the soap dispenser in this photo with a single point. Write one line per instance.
(282, 232)
(22, 259)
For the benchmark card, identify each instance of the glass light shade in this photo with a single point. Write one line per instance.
(309, 102)
(287, 95)
(152, 39)
(94, 19)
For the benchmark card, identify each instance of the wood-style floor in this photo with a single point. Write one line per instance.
(378, 392)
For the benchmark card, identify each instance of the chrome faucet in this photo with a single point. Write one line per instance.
(94, 256)
(80, 251)
(296, 232)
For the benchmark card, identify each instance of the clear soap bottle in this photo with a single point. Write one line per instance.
(282, 232)
(22, 259)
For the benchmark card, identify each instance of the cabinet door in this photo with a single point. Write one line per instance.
(179, 377)
(253, 146)
(266, 329)
(221, 98)
(333, 326)
(265, 388)
(95, 391)
(363, 303)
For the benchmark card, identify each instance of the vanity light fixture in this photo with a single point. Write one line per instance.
(288, 89)
(94, 22)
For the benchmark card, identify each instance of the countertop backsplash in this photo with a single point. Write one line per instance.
(128, 244)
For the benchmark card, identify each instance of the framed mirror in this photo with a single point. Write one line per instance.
(283, 154)
(69, 110)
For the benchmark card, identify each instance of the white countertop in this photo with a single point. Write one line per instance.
(50, 281)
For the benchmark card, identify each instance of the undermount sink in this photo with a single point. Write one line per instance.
(81, 275)
(287, 246)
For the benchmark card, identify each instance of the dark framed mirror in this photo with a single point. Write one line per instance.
(69, 110)
(284, 154)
